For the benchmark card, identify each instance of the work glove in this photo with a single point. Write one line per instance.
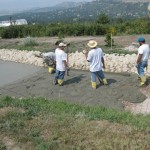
(84, 51)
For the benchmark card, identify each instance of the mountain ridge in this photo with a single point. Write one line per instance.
(84, 11)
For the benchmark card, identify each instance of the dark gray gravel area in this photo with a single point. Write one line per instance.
(77, 88)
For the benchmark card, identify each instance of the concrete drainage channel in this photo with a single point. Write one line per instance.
(11, 71)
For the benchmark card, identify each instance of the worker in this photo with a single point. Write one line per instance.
(49, 59)
(142, 60)
(61, 63)
(95, 58)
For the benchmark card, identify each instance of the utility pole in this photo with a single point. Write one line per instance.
(112, 32)
(111, 40)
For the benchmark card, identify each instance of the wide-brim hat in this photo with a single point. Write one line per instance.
(92, 43)
(62, 44)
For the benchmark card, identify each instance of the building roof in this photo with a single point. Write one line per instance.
(13, 22)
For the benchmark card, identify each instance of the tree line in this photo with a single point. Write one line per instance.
(102, 26)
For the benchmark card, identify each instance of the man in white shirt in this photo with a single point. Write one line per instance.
(61, 63)
(142, 60)
(95, 58)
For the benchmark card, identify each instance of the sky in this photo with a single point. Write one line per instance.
(15, 5)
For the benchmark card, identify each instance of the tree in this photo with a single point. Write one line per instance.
(119, 20)
(109, 41)
(103, 19)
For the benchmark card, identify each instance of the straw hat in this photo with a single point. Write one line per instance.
(92, 44)
(62, 45)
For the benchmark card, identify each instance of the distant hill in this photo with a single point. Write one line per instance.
(84, 11)
(64, 5)
(135, 1)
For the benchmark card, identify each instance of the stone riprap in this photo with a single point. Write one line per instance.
(77, 60)
(113, 62)
(27, 57)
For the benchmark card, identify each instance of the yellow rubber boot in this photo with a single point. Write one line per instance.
(60, 82)
(143, 80)
(50, 69)
(93, 85)
(105, 81)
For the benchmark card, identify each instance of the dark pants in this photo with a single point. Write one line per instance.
(98, 74)
(59, 74)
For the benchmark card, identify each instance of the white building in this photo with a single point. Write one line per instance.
(13, 22)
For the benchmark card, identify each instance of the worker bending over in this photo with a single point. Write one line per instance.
(49, 59)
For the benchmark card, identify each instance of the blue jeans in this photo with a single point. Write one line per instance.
(98, 74)
(140, 68)
(59, 74)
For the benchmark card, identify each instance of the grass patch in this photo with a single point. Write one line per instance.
(42, 47)
(2, 146)
(58, 125)
(115, 50)
(31, 45)
(28, 42)
(119, 51)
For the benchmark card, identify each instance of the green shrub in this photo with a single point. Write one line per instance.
(2, 146)
(29, 42)
(108, 40)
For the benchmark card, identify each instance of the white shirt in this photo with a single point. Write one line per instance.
(144, 50)
(95, 57)
(60, 57)
(56, 50)
(50, 55)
